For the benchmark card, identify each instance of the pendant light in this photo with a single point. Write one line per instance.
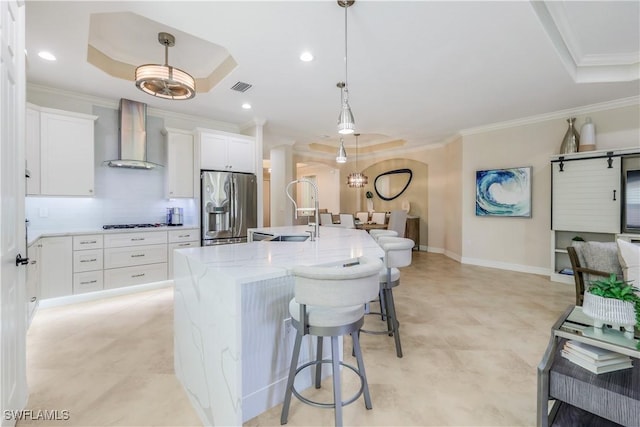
(342, 154)
(165, 81)
(357, 179)
(346, 123)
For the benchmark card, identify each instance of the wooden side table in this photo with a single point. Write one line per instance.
(412, 231)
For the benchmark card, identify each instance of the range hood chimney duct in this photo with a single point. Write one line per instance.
(132, 135)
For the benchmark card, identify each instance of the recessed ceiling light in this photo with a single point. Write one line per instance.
(306, 57)
(246, 106)
(47, 55)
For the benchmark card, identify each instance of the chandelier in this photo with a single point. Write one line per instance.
(165, 81)
(346, 124)
(357, 179)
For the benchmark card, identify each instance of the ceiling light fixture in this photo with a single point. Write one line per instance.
(346, 124)
(357, 179)
(306, 57)
(246, 106)
(342, 154)
(165, 81)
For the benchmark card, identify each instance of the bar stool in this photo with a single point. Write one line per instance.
(377, 233)
(329, 302)
(397, 253)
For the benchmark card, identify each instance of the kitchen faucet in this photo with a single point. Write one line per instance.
(316, 208)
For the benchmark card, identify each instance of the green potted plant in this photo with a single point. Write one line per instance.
(613, 301)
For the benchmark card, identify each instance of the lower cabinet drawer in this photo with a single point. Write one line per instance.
(87, 282)
(182, 245)
(139, 255)
(127, 276)
(87, 260)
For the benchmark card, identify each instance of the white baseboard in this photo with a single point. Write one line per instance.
(107, 293)
(507, 266)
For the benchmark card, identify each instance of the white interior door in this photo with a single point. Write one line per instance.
(13, 394)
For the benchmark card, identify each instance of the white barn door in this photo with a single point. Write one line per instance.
(13, 394)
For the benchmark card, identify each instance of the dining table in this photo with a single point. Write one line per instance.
(370, 226)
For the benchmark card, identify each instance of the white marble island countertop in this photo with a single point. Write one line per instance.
(266, 260)
(231, 306)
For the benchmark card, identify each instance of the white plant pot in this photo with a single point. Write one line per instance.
(609, 311)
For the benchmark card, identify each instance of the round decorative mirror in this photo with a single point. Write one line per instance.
(391, 184)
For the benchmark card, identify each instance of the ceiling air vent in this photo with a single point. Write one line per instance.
(241, 86)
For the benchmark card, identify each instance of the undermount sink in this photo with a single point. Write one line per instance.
(297, 238)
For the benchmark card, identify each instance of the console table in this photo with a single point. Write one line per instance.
(580, 397)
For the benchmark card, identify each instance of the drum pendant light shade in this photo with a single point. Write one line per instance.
(165, 81)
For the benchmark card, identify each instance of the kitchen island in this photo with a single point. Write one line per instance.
(232, 333)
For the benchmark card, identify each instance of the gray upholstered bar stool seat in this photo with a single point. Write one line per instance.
(397, 253)
(329, 302)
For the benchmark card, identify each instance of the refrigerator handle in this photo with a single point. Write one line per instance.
(232, 206)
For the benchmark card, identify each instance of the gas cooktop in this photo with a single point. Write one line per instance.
(118, 226)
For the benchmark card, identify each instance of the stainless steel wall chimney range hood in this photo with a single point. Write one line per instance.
(132, 132)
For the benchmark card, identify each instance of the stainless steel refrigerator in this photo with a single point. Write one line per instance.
(228, 206)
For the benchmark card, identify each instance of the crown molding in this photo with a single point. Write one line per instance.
(114, 104)
(583, 67)
(561, 114)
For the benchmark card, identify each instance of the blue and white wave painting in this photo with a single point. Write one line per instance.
(504, 192)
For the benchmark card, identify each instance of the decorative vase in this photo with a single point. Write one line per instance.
(369, 206)
(610, 311)
(571, 141)
(587, 136)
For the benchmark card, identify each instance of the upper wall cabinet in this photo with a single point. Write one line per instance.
(64, 157)
(179, 164)
(226, 152)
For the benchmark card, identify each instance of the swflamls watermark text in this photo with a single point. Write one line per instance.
(37, 415)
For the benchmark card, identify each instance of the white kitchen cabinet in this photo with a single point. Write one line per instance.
(226, 152)
(136, 255)
(67, 159)
(32, 150)
(180, 239)
(88, 257)
(33, 280)
(136, 275)
(179, 163)
(118, 240)
(56, 264)
(134, 258)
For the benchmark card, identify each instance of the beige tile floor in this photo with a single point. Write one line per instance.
(472, 338)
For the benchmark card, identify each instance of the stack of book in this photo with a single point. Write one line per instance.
(595, 359)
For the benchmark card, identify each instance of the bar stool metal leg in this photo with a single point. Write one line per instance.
(292, 375)
(319, 359)
(394, 322)
(358, 352)
(337, 389)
